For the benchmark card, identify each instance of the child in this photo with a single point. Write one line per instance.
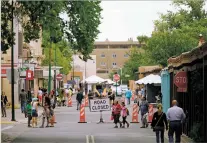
(29, 112)
(125, 113)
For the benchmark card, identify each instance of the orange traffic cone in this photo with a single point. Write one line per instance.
(86, 101)
(69, 101)
(82, 114)
(135, 114)
(151, 112)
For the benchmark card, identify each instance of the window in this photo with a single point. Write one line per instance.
(103, 55)
(103, 64)
(114, 55)
(126, 55)
(113, 64)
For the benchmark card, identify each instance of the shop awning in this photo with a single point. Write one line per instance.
(150, 79)
(93, 80)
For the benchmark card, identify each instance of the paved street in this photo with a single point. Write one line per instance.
(68, 130)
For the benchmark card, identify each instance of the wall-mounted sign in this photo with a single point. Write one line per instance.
(29, 75)
(181, 81)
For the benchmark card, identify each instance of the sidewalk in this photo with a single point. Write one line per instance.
(19, 116)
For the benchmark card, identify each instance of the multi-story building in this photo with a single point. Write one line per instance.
(111, 55)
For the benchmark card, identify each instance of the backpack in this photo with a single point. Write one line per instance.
(127, 112)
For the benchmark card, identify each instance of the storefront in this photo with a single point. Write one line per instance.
(188, 80)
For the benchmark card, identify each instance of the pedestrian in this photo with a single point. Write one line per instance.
(29, 112)
(4, 101)
(128, 95)
(158, 121)
(23, 100)
(46, 112)
(143, 107)
(112, 113)
(117, 114)
(79, 99)
(125, 113)
(34, 112)
(176, 117)
(40, 96)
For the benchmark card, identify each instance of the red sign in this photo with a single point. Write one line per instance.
(3, 71)
(59, 77)
(29, 75)
(181, 81)
(116, 77)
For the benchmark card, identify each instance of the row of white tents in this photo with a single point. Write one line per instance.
(150, 79)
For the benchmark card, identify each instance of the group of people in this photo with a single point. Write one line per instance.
(171, 121)
(120, 111)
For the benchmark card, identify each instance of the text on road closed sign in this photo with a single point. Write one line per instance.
(97, 105)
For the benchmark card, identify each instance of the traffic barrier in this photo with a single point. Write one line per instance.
(69, 101)
(135, 114)
(82, 114)
(151, 112)
(86, 101)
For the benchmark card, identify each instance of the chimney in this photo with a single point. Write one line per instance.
(201, 40)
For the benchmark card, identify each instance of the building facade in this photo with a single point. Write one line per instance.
(111, 55)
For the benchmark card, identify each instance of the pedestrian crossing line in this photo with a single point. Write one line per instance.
(90, 139)
(87, 139)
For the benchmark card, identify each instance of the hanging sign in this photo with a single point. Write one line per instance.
(181, 81)
(29, 75)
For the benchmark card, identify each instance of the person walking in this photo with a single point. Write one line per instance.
(128, 95)
(79, 99)
(34, 112)
(125, 113)
(4, 101)
(40, 95)
(158, 121)
(117, 113)
(144, 108)
(29, 112)
(176, 117)
(23, 100)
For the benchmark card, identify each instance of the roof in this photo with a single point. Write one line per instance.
(188, 57)
(150, 68)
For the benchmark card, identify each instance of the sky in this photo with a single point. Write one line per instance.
(122, 20)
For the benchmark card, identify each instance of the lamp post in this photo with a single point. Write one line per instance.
(12, 70)
(49, 76)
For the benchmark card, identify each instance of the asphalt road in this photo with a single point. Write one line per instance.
(68, 130)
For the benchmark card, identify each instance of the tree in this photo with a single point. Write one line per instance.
(82, 30)
(177, 32)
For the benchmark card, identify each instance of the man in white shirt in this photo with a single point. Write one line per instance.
(40, 95)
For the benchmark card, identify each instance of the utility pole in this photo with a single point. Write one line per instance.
(12, 68)
(49, 77)
(55, 76)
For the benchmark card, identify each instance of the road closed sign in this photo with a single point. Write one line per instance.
(97, 105)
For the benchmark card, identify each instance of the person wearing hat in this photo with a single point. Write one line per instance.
(34, 112)
(158, 121)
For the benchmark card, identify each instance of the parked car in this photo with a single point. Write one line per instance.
(124, 88)
(119, 91)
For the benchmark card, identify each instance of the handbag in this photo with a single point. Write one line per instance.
(157, 128)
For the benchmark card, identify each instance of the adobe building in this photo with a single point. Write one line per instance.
(111, 55)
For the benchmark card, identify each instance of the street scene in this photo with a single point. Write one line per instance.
(103, 71)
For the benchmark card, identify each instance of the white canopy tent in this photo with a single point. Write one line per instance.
(150, 79)
(109, 81)
(93, 80)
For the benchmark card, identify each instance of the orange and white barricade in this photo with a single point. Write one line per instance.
(135, 114)
(86, 101)
(151, 112)
(69, 101)
(82, 114)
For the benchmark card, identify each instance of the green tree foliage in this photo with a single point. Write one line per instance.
(177, 32)
(84, 19)
(81, 30)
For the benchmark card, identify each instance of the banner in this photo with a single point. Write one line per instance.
(97, 105)
(29, 75)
